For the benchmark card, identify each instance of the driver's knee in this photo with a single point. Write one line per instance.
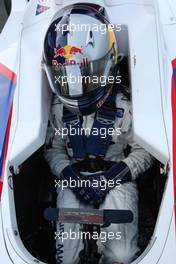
(120, 259)
(121, 253)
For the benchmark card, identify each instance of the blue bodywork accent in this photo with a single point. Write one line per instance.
(175, 75)
(6, 96)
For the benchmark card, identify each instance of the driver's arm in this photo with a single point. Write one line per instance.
(55, 146)
(139, 160)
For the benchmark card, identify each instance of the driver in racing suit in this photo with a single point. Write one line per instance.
(86, 107)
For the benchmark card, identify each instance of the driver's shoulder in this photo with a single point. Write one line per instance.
(123, 98)
(123, 110)
(56, 107)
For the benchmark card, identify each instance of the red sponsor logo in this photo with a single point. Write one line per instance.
(67, 52)
(99, 104)
(83, 63)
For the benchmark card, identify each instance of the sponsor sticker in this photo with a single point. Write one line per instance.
(40, 9)
(120, 112)
(67, 52)
(43, 2)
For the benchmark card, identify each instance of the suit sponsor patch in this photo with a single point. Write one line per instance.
(40, 9)
(120, 112)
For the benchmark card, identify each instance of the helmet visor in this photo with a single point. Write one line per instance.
(73, 80)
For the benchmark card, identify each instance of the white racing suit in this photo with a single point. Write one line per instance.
(116, 250)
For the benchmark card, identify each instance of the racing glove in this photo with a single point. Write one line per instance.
(119, 173)
(88, 194)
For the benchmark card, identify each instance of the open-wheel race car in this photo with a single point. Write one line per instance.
(147, 42)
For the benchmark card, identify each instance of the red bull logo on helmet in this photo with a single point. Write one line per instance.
(67, 52)
(83, 63)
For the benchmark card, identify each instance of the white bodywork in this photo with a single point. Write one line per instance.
(151, 26)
